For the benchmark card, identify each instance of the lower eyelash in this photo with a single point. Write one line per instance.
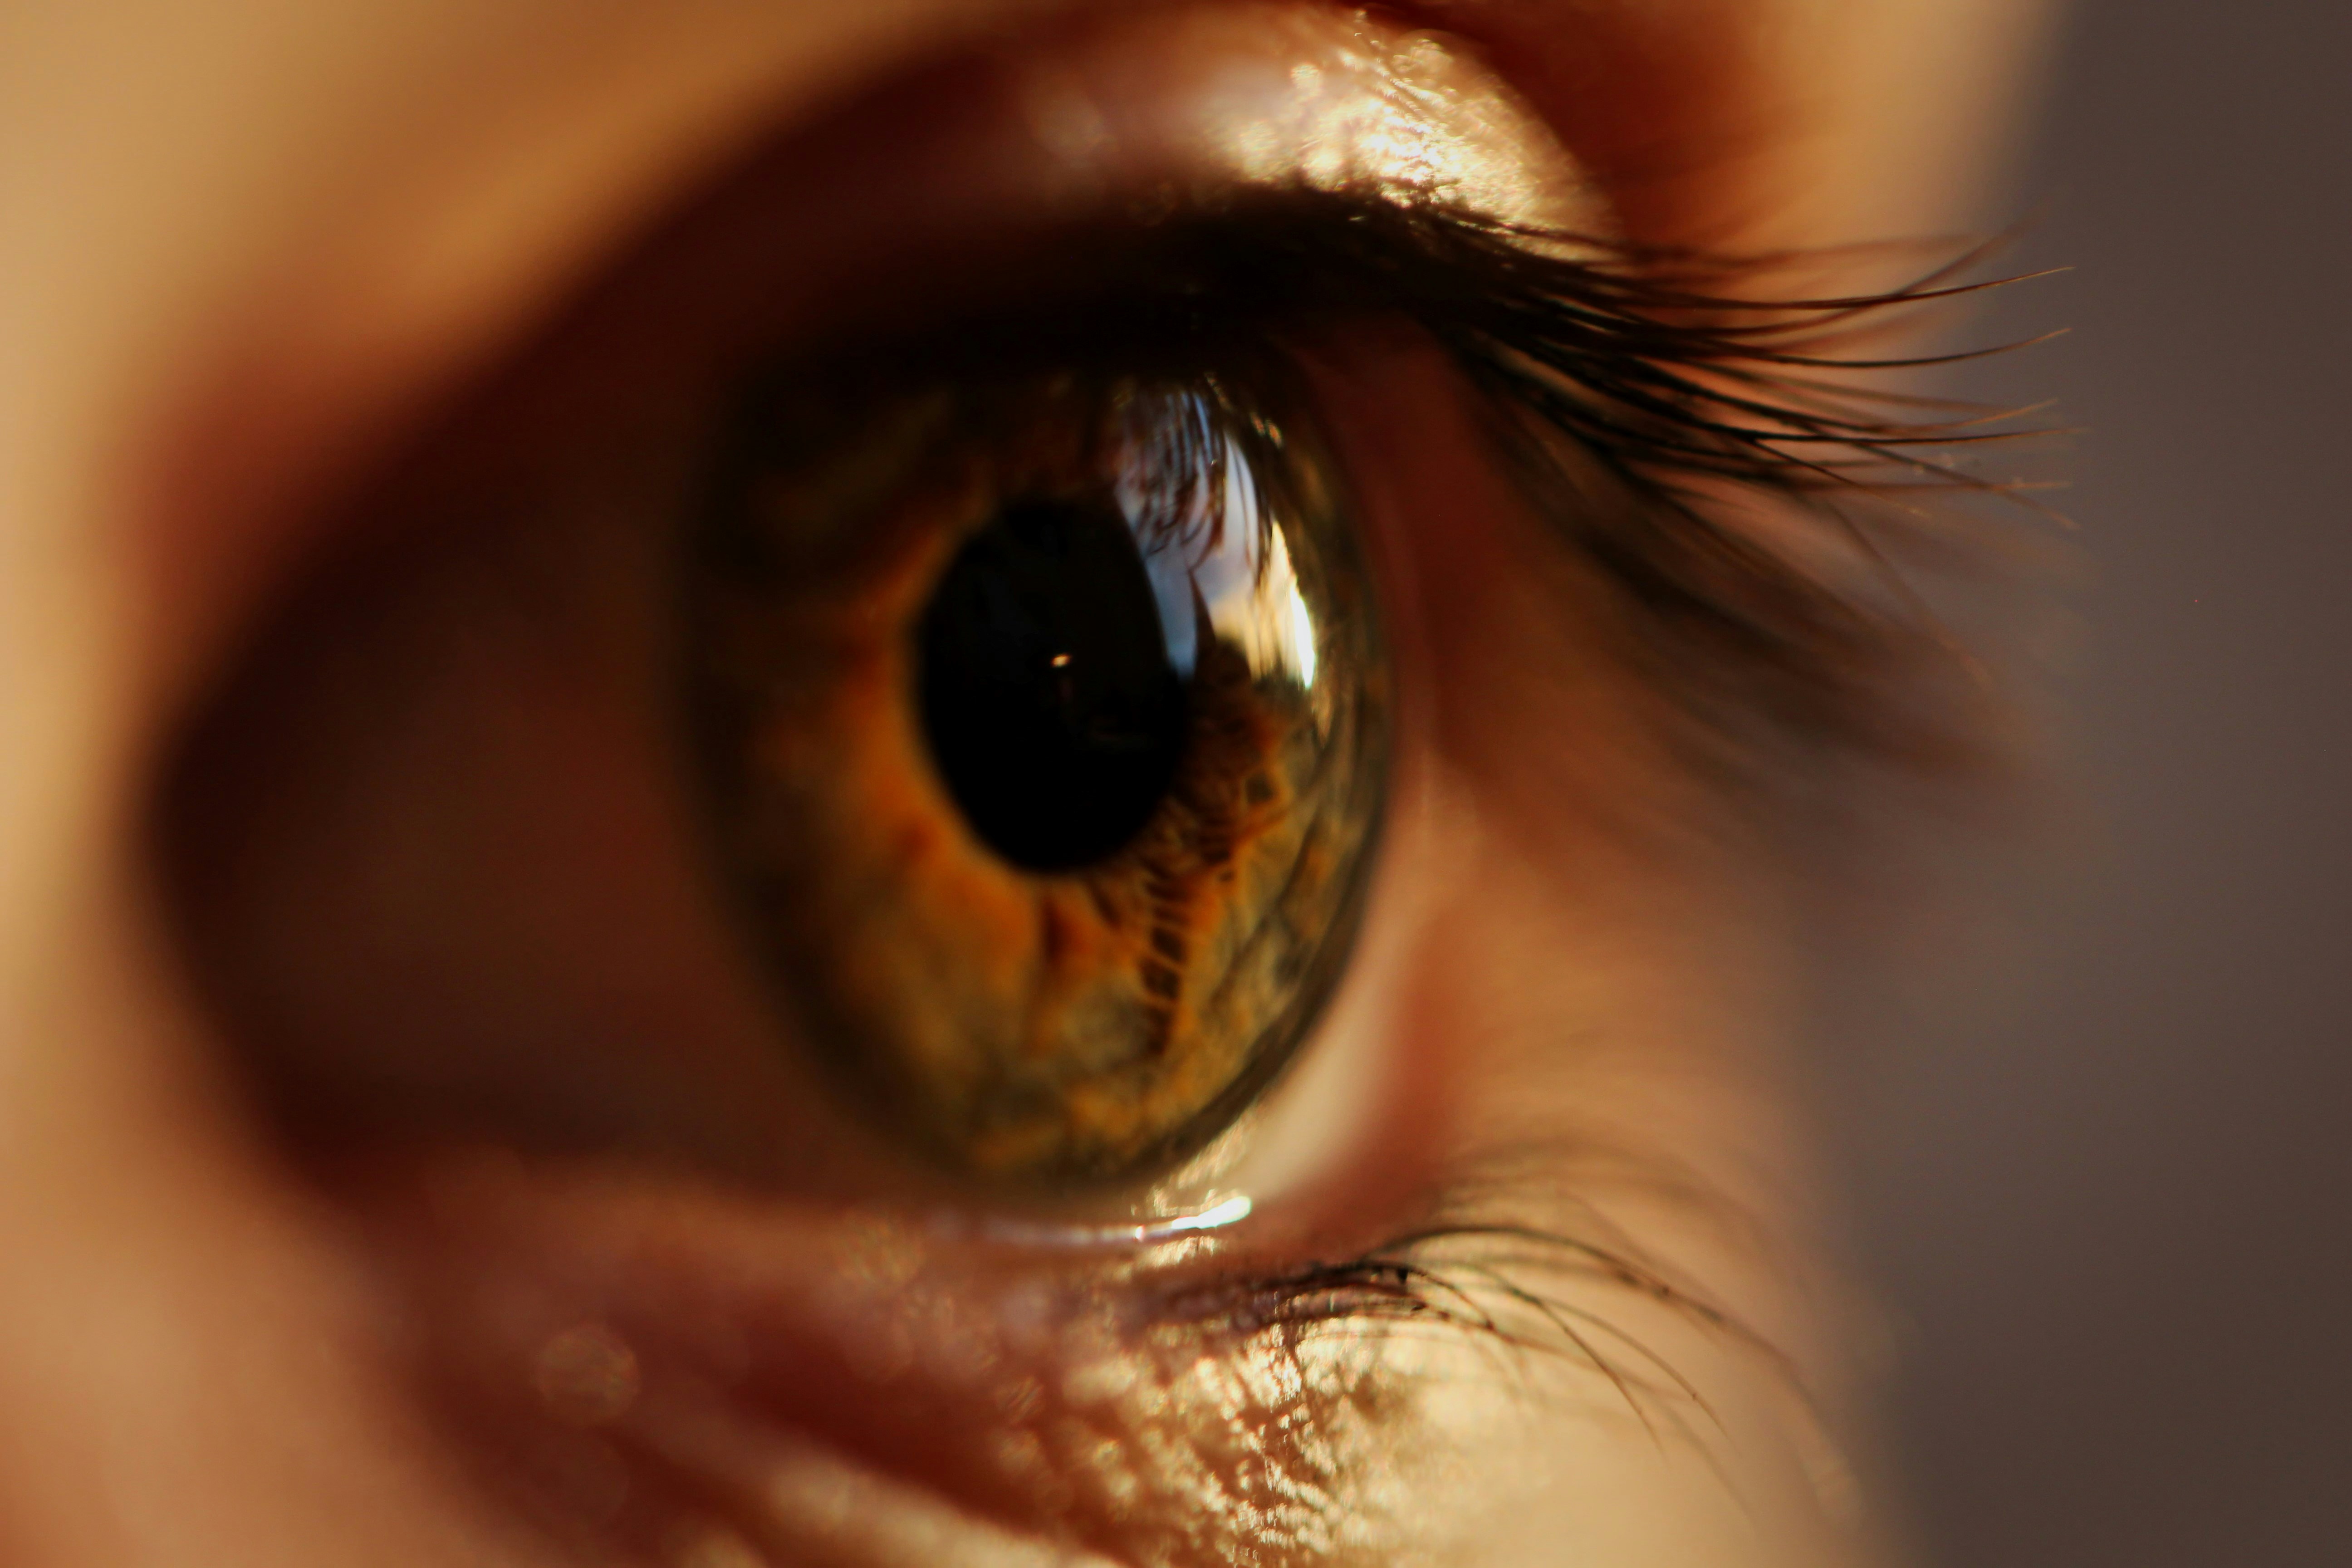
(1472, 1279)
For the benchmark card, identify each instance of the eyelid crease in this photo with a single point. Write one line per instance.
(1272, 93)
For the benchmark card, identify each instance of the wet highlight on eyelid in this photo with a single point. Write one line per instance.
(998, 1244)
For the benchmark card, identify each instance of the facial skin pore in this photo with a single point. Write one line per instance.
(251, 242)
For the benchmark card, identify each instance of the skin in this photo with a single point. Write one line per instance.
(250, 242)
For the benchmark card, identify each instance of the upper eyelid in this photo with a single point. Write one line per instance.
(417, 269)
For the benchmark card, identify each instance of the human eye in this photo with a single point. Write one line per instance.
(1037, 843)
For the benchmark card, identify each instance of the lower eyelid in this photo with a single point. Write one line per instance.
(649, 1323)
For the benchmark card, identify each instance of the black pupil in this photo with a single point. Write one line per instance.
(1053, 706)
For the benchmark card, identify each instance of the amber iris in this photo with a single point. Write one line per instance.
(1043, 737)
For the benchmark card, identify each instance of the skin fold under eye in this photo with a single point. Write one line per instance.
(872, 873)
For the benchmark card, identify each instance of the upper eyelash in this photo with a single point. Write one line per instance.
(1679, 374)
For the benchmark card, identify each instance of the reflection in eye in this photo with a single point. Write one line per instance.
(1041, 725)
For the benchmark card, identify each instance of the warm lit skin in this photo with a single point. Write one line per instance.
(247, 242)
